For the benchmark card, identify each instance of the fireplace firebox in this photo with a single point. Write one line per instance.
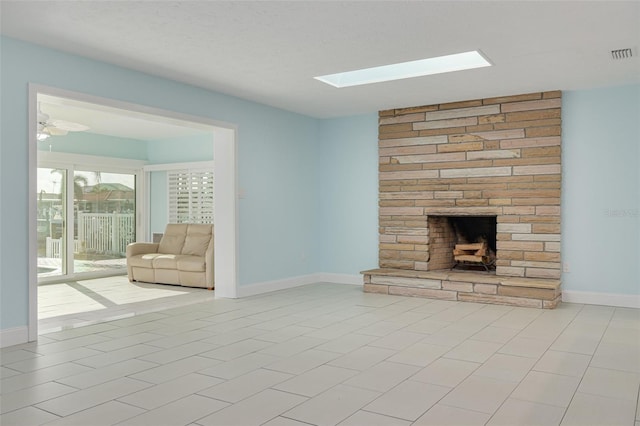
(445, 232)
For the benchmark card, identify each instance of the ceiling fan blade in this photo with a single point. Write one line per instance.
(56, 131)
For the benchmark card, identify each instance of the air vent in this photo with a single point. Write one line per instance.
(621, 54)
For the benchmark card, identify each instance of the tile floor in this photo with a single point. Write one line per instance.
(80, 303)
(328, 354)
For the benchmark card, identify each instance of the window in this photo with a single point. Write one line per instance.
(190, 196)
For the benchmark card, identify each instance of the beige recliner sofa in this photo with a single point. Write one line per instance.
(184, 256)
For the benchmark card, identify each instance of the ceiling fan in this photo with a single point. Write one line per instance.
(52, 127)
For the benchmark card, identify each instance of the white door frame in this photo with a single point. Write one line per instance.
(225, 187)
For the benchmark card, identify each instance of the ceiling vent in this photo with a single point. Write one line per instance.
(621, 54)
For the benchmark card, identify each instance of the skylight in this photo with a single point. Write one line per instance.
(419, 68)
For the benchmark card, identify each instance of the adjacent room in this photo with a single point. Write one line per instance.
(119, 176)
(320, 213)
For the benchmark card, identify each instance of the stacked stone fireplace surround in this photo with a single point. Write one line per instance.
(497, 157)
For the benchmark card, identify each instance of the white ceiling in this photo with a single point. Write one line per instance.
(269, 52)
(105, 120)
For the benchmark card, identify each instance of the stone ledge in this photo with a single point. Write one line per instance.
(464, 286)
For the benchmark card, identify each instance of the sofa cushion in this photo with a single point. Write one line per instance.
(142, 260)
(173, 238)
(191, 263)
(166, 261)
(196, 244)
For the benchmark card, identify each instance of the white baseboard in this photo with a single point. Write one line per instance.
(268, 286)
(329, 277)
(14, 336)
(606, 299)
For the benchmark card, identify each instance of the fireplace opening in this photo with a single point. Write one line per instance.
(474, 235)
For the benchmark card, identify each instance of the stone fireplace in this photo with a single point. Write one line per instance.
(486, 168)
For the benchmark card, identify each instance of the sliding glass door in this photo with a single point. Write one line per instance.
(104, 220)
(101, 207)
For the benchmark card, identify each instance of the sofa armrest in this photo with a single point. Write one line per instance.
(134, 249)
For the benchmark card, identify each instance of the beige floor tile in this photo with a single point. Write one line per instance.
(106, 374)
(448, 336)
(158, 395)
(587, 410)
(332, 406)
(409, 400)
(397, 340)
(617, 356)
(446, 372)
(473, 351)
(517, 319)
(33, 395)
(103, 359)
(243, 387)
(362, 418)
(254, 410)
(580, 343)
(285, 333)
(427, 326)
(78, 355)
(381, 328)
(18, 355)
(495, 334)
(383, 376)
(610, 383)
(347, 343)
(292, 346)
(565, 363)
(526, 413)
(481, 394)
(420, 354)
(180, 412)
(109, 413)
(363, 358)
(628, 335)
(5, 373)
(505, 367)
(525, 347)
(547, 388)
(49, 374)
(444, 415)
(303, 361)
(316, 381)
(175, 353)
(167, 342)
(78, 401)
(283, 421)
(239, 366)
(173, 370)
(30, 415)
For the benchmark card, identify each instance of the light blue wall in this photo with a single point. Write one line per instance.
(601, 190)
(348, 194)
(276, 164)
(182, 150)
(93, 144)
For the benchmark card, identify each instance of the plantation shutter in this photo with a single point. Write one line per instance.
(190, 196)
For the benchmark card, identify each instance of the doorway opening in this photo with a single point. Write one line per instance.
(87, 204)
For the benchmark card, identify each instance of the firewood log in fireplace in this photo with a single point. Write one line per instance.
(478, 253)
